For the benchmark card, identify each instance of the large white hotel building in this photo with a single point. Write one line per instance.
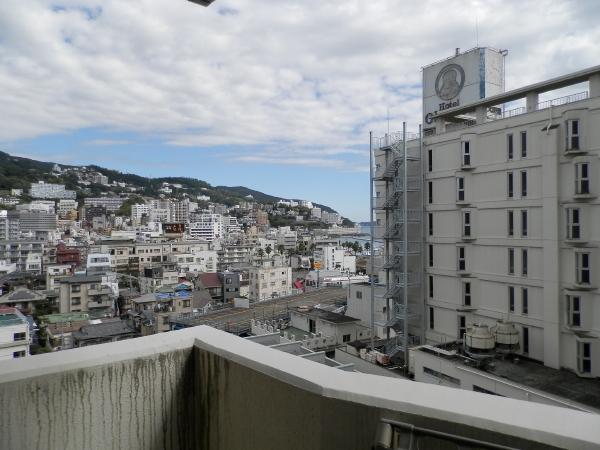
(493, 218)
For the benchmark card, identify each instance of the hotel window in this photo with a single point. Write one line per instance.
(523, 144)
(573, 223)
(460, 189)
(431, 318)
(430, 259)
(430, 223)
(462, 260)
(524, 223)
(510, 184)
(358, 294)
(524, 301)
(582, 178)
(574, 310)
(462, 326)
(430, 286)
(19, 354)
(511, 299)
(467, 293)
(466, 222)
(525, 340)
(582, 267)
(573, 134)
(430, 192)
(466, 153)
(509, 145)
(19, 336)
(511, 223)
(524, 262)
(523, 183)
(430, 160)
(584, 357)
(511, 261)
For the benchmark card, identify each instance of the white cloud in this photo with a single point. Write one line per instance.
(314, 75)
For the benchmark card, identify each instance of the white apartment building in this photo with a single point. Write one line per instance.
(160, 210)
(14, 334)
(332, 257)
(287, 237)
(270, 279)
(66, 205)
(137, 211)
(231, 225)
(206, 226)
(200, 261)
(110, 203)
(180, 210)
(47, 190)
(510, 199)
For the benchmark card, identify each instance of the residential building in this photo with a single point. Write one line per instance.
(22, 298)
(111, 204)
(68, 255)
(201, 261)
(271, 278)
(231, 285)
(32, 223)
(331, 257)
(55, 272)
(14, 334)
(207, 227)
(157, 276)
(26, 254)
(287, 237)
(111, 330)
(235, 255)
(47, 190)
(65, 207)
(138, 211)
(86, 293)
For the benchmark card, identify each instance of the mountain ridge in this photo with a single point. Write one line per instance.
(17, 172)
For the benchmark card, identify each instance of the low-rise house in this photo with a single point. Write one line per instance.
(23, 299)
(111, 330)
(326, 323)
(60, 327)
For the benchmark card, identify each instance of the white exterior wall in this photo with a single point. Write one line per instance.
(8, 345)
(270, 282)
(551, 258)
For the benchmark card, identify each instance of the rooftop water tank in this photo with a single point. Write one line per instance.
(506, 337)
(479, 341)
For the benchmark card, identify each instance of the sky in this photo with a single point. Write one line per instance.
(275, 95)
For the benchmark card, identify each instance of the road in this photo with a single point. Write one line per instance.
(238, 319)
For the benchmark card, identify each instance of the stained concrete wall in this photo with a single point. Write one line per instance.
(201, 388)
(135, 404)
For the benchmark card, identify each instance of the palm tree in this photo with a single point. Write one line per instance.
(367, 246)
(268, 250)
(261, 253)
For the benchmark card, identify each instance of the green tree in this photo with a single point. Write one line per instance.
(281, 249)
(261, 253)
(268, 250)
(367, 246)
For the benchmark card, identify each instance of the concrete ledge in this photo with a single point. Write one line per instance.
(369, 395)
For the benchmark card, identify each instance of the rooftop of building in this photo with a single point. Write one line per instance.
(114, 327)
(65, 317)
(530, 373)
(81, 279)
(10, 317)
(327, 316)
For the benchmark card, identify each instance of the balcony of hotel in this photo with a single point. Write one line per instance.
(202, 388)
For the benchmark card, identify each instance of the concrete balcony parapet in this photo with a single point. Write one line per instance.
(201, 388)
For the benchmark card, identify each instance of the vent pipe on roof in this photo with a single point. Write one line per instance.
(457, 51)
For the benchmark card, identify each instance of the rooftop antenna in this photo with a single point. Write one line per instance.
(388, 119)
(476, 30)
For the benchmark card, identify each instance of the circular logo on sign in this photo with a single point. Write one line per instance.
(449, 81)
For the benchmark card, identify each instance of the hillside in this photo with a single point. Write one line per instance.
(18, 172)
